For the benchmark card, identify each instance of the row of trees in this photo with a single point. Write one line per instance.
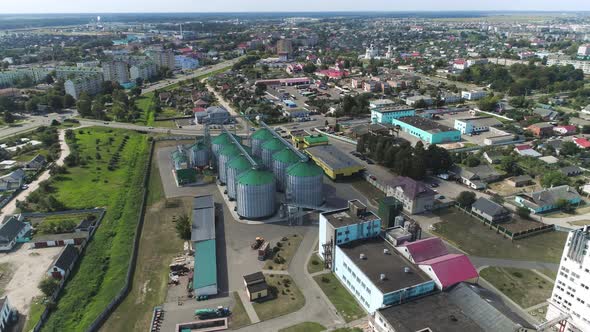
(403, 159)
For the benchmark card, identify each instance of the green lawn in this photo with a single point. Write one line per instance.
(239, 317)
(315, 264)
(344, 302)
(305, 327)
(287, 298)
(101, 273)
(144, 103)
(35, 312)
(525, 287)
(476, 239)
(288, 247)
(166, 124)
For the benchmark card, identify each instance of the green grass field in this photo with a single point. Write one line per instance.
(35, 312)
(239, 317)
(315, 264)
(287, 251)
(346, 305)
(305, 327)
(101, 272)
(473, 237)
(288, 298)
(525, 287)
(144, 103)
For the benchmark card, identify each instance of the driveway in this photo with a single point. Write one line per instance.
(10, 208)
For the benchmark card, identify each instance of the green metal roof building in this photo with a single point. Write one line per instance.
(205, 275)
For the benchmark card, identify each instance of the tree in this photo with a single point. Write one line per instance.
(466, 198)
(183, 227)
(472, 161)
(554, 178)
(69, 101)
(8, 117)
(48, 286)
(309, 68)
(136, 91)
(569, 149)
(509, 165)
(84, 105)
(523, 212)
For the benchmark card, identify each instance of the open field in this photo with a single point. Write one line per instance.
(144, 103)
(239, 318)
(35, 311)
(287, 298)
(346, 305)
(101, 272)
(525, 287)
(150, 281)
(288, 246)
(476, 239)
(315, 264)
(504, 189)
(166, 124)
(304, 327)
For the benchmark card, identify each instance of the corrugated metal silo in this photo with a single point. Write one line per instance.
(199, 155)
(304, 184)
(269, 148)
(280, 162)
(256, 196)
(258, 138)
(228, 152)
(234, 168)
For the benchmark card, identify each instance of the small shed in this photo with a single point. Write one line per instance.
(520, 181)
(256, 286)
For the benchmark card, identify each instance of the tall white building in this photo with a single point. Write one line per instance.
(389, 53)
(372, 52)
(584, 50)
(162, 58)
(115, 71)
(145, 71)
(91, 84)
(570, 302)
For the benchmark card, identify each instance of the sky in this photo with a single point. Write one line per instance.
(134, 6)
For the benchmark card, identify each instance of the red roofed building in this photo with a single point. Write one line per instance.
(582, 143)
(198, 109)
(333, 73)
(565, 130)
(449, 270)
(423, 250)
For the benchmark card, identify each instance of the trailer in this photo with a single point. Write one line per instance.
(263, 251)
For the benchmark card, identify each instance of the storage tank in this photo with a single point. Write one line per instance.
(269, 148)
(234, 168)
(221, 140)
(305, 184)
(280, 162)
(258, 138)
(226, 153)
(199, 155)
(256, 196)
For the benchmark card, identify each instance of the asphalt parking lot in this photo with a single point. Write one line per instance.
(449, 120)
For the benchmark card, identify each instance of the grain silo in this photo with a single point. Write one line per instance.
(280, 162)
(256, 196)
(199, 155)
(226, 153)
(221, 140)
(258, 138)
(233, 169)
(304, 184)
(269, 148)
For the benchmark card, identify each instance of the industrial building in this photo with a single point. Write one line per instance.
(302, 139)
(203, 239)
(335, 163)
(476, 125)
(385, 115)
(254, 174)
(186, 159)
(427, 130)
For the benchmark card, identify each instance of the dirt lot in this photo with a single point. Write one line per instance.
(30, 267)
(504, 189)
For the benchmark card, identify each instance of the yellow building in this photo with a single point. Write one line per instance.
(335, 163)
(303, 140)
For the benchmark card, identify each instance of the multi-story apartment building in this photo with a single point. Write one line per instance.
(284, 49)
(569, 305)
(473, 94)
(10, 77)
(71, 72)
(144, 71)
(584, 50)
(91, 85)
(562, 61)
(162, 58)
(115, 71)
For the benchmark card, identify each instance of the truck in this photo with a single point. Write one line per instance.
(257, 243)
(209, 313)
(263, 251)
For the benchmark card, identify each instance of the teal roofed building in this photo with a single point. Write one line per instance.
(204, 245)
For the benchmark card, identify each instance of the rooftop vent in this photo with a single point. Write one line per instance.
(386, 251)
(382, 276)
(363, 256)
(407, 269)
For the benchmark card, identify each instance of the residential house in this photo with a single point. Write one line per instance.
(554, 144)
(64, 263)
(548, 199)
(37, 163)
(256, 286)
(490, 210)
(541, 129)
(476, 177)
(546, 114)
(415, 196)
(565, 130)
(526, 150)
(582, 142)
(570, 170)
(13, 231)
(12, 181)
(6, 314)
(493, 157)
(520, 181)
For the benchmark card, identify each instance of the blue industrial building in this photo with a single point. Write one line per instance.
(366, 264)
(427, 130)
(388, 114)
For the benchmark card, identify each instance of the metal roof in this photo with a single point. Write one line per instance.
(229, 149)
(240, 162)
(273, 144)
(203, 202)
(205, 264)
(256, 177)
(304, 169)
(203, 225)
(286, 156)
(66, 258)
(262, 134)
(332, 157)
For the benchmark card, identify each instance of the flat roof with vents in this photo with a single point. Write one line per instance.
(399, 273)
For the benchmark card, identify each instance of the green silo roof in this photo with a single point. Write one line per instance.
(256, 177)
(229, 149)
(273, 144)
(220, 139)
(179, 156)
(240, 162)
(304, 169)
(198, 146)
(262, 134)
(286, 156)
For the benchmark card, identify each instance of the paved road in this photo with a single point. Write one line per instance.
(196, 73)
(10, 208)
(33, 122)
